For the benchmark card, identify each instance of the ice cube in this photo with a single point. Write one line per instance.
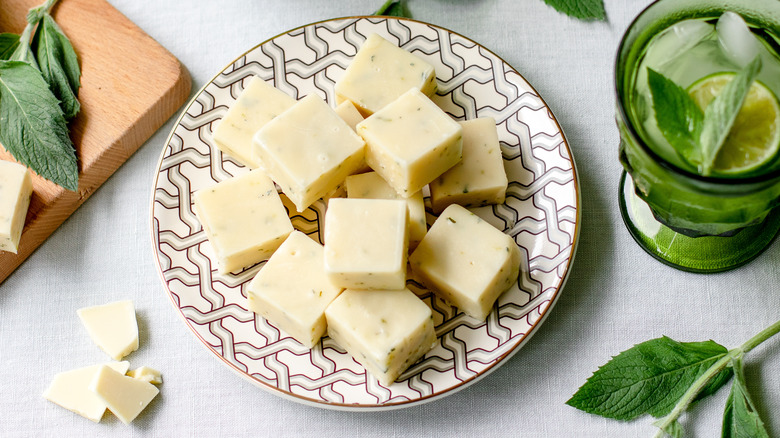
(675, 40)
(739, 45)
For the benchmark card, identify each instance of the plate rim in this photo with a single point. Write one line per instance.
(288, 395)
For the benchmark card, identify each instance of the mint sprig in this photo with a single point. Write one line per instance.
(698, 135)
(662, 377)
(39, 81)
(581, 9)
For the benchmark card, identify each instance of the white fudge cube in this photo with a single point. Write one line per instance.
(384, 331)
(380, 73)
(15, 193)
(124, 396)
(349, 113)
(411, 142)
(466, 261)
(308, 150)
(292, 289)
(256, 105)
(479, 178)
(70, 389)
(113, 327)
(372, 186)
(366, 243)
(244, 220)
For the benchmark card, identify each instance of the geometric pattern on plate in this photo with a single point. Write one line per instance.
(541, 213)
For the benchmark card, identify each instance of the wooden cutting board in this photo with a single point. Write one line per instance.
(130, 86)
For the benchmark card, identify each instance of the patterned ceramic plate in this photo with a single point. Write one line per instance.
(541, 213)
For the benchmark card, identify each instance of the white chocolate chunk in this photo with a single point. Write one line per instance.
(411, 142)
(479, 178)
(381, 72)
(70, 389)
(113, 327)
(256, 105)
(124, 396)
(308, 150)
(466, 261)
(371, 185)
(292, 290)
(15, 192)
(146, 374)
(244, 220)
(385, 331)
(366, 243)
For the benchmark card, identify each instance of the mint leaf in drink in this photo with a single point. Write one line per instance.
(582, 9)
(722, 111)
(8, 44)
(32, 125)
(649, 378)
(740, 419)
(677, 115)
(58, 63)
(394, 8)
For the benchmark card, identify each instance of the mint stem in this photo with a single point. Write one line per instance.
(761, 337)
(711, 372)
(33, 17)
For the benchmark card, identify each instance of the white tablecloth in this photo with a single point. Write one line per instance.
(616, 295)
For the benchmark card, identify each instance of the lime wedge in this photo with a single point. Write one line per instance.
(754, 139)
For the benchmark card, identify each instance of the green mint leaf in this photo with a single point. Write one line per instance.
(8, 44)
(740, 419)
(648, 378)
(58, 63)
(582, 9)
(722, 111)
(394, 8)
(678, 116)
(32, 126)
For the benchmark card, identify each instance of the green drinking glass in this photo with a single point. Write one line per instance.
(677, 214)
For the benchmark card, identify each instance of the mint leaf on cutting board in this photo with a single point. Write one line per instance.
(678, 116)
(740, 419)
(8, 44)
(649, 378)
(722, 111)
(582, 9)
(58, 63)
(32, 126)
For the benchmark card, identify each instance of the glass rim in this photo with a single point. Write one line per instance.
(661, 161)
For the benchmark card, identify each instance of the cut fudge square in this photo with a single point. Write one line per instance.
(384, 331)
(256, 105)
(479, 178)
(466, 261)
(308, 150)
(15, 193)
(292, 289)
(381, 72)
(366, 242)
(372, 186)
(244, 220)
(411, 142)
